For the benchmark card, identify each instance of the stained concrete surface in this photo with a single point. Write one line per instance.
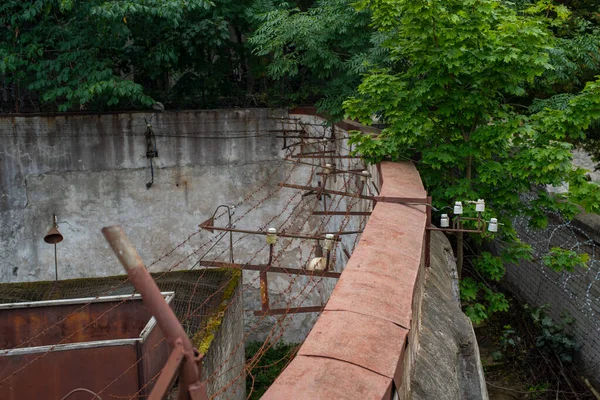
(448, 364)
(91, 171)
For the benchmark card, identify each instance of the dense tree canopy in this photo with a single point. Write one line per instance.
(99, 54)
(488, 96)
(459, 99)
(321, 52)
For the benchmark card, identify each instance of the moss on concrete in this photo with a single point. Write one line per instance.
(204, 337)
(203, 288)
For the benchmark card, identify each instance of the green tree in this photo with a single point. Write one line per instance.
(317, 54)
(453, 100)
(103, 54)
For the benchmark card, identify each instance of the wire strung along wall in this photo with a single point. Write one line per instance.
(572, 293)
(193, 288)
(199, 291)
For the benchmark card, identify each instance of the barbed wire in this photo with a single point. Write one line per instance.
(167, 254)
(289, 302)
(311, 283)
(575, 291)
(232, 301)
(190, 314)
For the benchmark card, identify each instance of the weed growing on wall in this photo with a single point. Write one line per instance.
(527, 354)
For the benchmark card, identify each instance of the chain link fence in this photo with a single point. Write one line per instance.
(575, 294)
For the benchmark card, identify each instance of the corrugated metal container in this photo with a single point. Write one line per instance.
(107, 344)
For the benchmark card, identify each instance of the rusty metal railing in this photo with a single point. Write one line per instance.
(184, 359)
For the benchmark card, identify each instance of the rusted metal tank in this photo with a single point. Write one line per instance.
(107, 344)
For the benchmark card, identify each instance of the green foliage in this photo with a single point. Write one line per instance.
(491, 266)
(511, 344)
(516, 252)
(476, 312)
(552, 337)
(565, 260)
(480, 301)
(107, 54)
(268, 366)
(450, 99)
(536, 391)
(468, 289)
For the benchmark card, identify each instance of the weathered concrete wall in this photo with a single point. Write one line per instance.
(583, 160)
(447, 364)
(223, 366)
(91, 171)
(309, 291)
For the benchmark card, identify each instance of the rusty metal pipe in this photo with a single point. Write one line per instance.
(280, 234)
(278, 270)
(292, 310)
(154, 301)
(264, 283)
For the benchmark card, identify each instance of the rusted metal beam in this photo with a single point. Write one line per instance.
(292, 310)
(277, 270)
(320, 236)
(167, 377)
(190, 386)
(264, 283)
(435, 228)
(329, 191)
(301, 155)
(264, 291)
(334, 168)
(346, 252)
(341, 213)
(314, 153)
(334, 233)
(410, 201)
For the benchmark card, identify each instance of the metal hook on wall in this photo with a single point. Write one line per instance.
(211, 222)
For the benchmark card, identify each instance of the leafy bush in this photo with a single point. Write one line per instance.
(266, 366)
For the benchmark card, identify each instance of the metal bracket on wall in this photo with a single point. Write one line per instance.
(321, 236)
(272, 236)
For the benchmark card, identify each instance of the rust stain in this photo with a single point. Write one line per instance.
(53, 374)
(70, 325)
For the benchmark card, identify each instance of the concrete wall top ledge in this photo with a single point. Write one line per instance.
(358, 346)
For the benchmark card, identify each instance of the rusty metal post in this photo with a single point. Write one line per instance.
(324, 196)
(264, 283)
(428, 233)
(190, 383)
(169, 373)
(328, 245)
